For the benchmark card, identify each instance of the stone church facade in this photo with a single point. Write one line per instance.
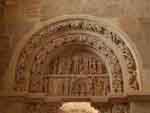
(54, 52)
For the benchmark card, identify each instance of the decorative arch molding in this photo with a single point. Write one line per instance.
(112, 45)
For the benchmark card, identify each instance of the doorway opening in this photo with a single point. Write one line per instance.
(78, 107)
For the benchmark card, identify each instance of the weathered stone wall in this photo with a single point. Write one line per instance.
(23, 14)
(4, 42)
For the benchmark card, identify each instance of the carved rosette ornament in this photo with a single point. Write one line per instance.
(32, 62)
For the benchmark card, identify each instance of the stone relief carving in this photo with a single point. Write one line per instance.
(76, 64)
(104, 50)
(78, 86)
(36, 84)
(84, 25)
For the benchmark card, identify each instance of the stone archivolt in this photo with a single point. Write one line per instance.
(38, 50)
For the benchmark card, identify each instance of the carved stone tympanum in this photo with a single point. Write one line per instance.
(43, 56)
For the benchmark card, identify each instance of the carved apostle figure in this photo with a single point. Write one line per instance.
(55, 65)
(75, 64)
(62, 67)
(83, 67)
(92, 65)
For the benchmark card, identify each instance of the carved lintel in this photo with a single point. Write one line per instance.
(42, 107)
(111, 108)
